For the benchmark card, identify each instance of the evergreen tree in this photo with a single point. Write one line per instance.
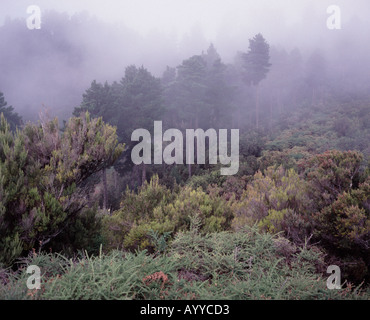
(139, 102)
(138, 105)
(192, 77)
(256, 64)
(170, 94)
(211, 56)
(12, 117)
(97, 100)
(219, 93)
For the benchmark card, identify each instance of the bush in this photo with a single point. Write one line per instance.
(277, 200)
(156, 208)
(344, 229)
(42, 178)
(331, 174)
(203, 181)
(83, 233)
(136, 209)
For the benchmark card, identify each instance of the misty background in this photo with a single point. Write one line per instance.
(81, 41)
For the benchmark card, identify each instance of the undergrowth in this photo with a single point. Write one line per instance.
(227, 265)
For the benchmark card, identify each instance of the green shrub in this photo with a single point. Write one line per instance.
(203, 181)
(158, 209)
(332, 173)
(273, 199)
(43, 175)
(84, 232)
(136, 218)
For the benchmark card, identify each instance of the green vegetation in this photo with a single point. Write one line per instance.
(226, 265)
(42, 179)
(99, 227)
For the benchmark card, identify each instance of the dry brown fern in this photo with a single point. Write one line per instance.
(157, 276)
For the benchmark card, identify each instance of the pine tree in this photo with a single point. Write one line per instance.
(138, 105)
(170, 94)
(219, 93)
(192, 77)
(256, 65)
(12, 117)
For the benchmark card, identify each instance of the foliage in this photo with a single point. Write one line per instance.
(42, 176)
(157, 209)
(332, 173)
(203, 181)
(256, 60)
(12, 117)
(159, 242)
(243, 265)
(343, 227)
(301, 174)
(83, 232)
(272, 199)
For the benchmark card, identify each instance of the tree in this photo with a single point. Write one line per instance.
(192, 77)
(316, 74)
(139, 102)
(98, 100)
(12, 117)
(43, 176)
(134, 102)
(256, 65)
(138, 105)
(284, 80)
(170, 94)
(219, 93)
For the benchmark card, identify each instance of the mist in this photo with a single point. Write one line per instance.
(84, 41)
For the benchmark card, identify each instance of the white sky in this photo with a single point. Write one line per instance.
(181, 15)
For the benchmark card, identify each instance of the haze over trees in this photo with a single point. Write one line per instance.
(79, 87)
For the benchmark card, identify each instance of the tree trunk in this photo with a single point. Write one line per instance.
(105, 189)
(257, 104)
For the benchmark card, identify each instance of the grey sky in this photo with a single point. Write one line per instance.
(213, 16)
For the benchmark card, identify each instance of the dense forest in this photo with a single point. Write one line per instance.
(100, 227)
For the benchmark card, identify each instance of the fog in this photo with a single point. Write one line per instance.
(84, 40)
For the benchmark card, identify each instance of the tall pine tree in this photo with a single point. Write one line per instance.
(256, 65)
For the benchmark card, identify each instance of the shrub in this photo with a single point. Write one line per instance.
(331, 174)
(344, 229)
(42, 177)
(136, 209)
(155, 208)
(272, 199)
(203, 181)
